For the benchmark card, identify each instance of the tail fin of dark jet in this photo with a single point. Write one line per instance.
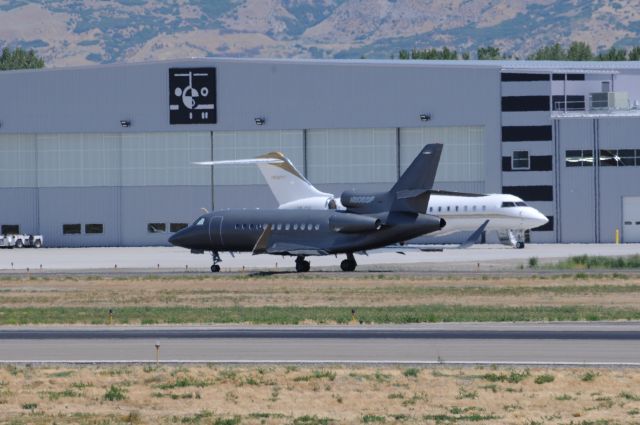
(422, 171)
(410, 193)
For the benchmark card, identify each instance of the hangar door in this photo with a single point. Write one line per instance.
(631, 219)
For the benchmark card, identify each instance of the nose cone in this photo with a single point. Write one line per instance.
(535, 218)
(180, 238)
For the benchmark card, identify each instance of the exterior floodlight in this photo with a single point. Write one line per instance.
(425, 117)
(259, 120)
(125, 123)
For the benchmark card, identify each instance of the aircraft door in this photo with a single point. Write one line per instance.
(215, 231)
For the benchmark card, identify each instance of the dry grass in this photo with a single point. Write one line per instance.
(337, 395)
(310, 291)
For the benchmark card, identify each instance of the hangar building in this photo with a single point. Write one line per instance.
(101, 156)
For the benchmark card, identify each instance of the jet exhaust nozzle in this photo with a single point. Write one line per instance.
(443, 223)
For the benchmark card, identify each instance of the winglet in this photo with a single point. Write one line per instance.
(475, 236)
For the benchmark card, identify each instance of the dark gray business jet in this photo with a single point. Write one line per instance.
(371, 220)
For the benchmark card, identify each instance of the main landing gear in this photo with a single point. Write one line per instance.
(302, 265)
(519, 245)
(215, 268)
(349, 264)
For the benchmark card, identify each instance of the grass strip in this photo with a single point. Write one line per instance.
(585, 262)
(296, 315)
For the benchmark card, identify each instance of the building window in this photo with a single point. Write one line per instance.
(10, 229)
(579, 158)
(520, 160)
(156, 227)
(174, 227)
(93, 228)
(71, 229)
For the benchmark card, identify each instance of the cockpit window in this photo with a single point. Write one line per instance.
(508, 205)
(199, 222)
(521, 204)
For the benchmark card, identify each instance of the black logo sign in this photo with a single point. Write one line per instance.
(192, 96)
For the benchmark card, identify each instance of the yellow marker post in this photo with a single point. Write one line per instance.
(157, 352)
(110, 316)
(354, 318)
(617, 236)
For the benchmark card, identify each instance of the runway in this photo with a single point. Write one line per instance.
(482, 258)
(548, 343)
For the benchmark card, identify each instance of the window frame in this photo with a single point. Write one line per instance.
(514, 159)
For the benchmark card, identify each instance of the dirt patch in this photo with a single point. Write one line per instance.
(337, 395)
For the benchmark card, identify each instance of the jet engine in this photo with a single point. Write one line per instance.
(313, 203)
(353, 223)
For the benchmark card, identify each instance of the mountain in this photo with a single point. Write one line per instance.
(73, 32)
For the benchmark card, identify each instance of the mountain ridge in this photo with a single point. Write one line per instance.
(68, 32)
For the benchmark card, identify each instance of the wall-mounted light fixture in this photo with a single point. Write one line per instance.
(259, 120)
(425, 117)
(125, 123)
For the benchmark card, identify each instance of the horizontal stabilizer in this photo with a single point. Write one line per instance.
(242, 161)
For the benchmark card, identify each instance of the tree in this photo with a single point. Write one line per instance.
(489, 53)
(634, 54)
(613, 54)
(579, 51)
(429, 54)
(19, 59)
(549, 53)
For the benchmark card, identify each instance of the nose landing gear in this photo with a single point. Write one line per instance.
(349, 264)
(302, 265)
(215, 268)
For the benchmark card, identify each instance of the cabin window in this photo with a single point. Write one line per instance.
(484, 208)
(295, 226)
(448, 208)
(199, 222)
(439, 209)
(251, 226)
(317, 227)
(466, 208)
(287, 226)
(508, 205)
(309, 226)
(474, 207)
(456, 208)
(430, 209)
(279, 227)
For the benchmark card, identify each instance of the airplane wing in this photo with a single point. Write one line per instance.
(270, 243)
(471, 240)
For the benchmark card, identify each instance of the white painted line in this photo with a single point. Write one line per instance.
(338, 362)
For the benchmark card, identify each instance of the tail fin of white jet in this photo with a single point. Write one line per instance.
(290, 188)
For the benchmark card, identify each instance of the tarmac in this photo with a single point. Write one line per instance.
(575, 344)
(173, 259)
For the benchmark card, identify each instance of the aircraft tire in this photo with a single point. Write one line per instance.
(348, 265)
(520, 245)
(19, 243)
(215, 268)
(303, 266)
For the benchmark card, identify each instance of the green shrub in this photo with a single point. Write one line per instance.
(411, 372)
(533, 262)
(369, 419)
(115, 393)
(589, 376)
(543, 379)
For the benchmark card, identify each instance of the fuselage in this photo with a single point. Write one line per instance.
(301, 232)
(467, 213)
